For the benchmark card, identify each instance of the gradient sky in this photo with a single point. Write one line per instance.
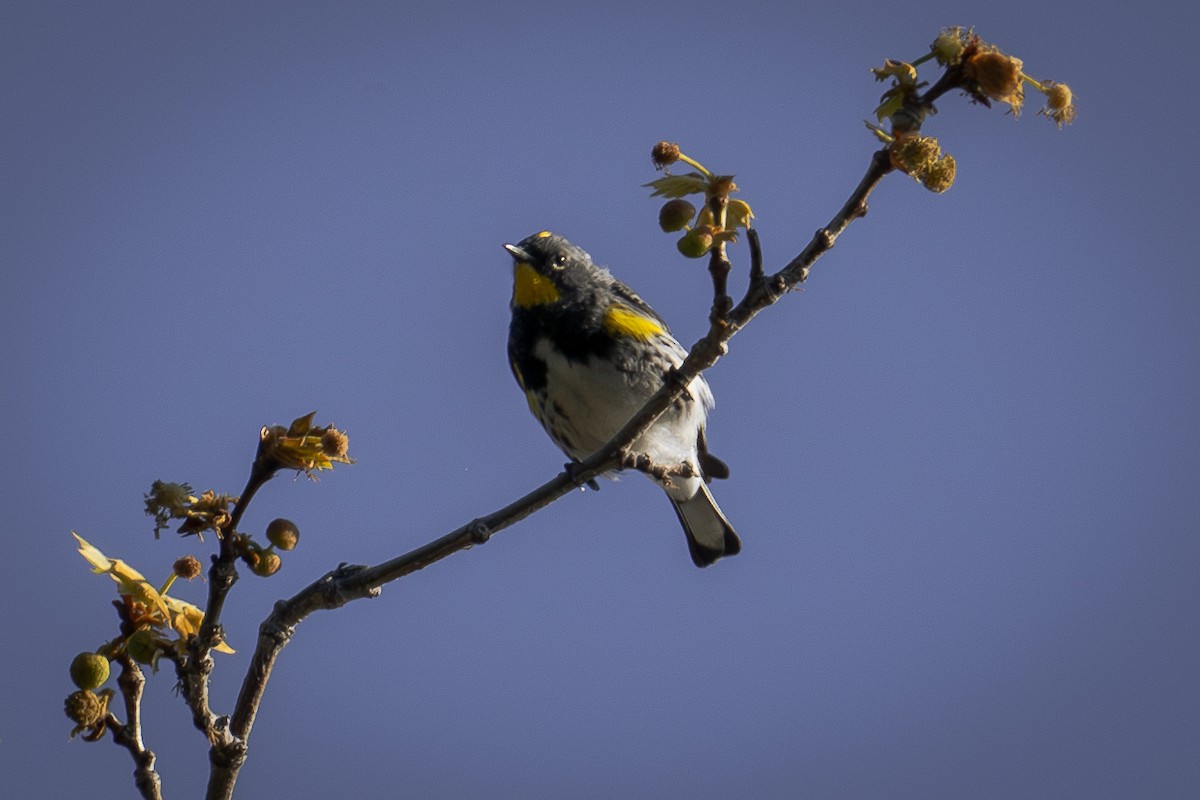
(966, 458)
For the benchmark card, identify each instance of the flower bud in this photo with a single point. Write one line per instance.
(89, 671)
(948, 47)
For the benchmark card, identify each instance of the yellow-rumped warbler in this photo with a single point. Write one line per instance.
(589, 353)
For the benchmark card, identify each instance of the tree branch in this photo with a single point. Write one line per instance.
(347, 583)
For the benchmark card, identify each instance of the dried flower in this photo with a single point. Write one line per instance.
(922, 158)
(187, 567)
(664, 154)
(166, 501)
(996, 75)
(209, 511)
(1060, 103)
(303, 446)
(335, 443)
(83, 707)
(948, 47)
(939, 176)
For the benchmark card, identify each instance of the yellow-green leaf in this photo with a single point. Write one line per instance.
(186, 619)
(301, 425)
(738, 214)
(129, 580)
(893, 101)
(678, 185)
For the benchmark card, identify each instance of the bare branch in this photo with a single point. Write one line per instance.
(131, 682)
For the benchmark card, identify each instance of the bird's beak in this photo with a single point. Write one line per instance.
(517, 253)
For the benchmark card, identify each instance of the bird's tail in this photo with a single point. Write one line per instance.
(709, 534)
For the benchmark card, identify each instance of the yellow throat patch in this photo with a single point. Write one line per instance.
(531, 289)
(622, 320)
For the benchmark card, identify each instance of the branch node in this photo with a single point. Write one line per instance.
(274, 627)
(332, 588)
(479, 532)
(572, 468)
(215, 635)
(231, 754)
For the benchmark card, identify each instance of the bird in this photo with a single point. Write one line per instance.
(588, 353)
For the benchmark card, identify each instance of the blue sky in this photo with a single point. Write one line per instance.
(965, 457)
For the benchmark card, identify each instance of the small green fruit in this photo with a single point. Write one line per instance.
(695, 243)
(266, 564)
(675, 215)
(283, 533)
(89, 671)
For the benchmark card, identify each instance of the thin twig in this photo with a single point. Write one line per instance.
(194, 667)
(131, 682)
(757, 276)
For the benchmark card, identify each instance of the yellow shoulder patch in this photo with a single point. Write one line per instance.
(621, 320)
(531, 289)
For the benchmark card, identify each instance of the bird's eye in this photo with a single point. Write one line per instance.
(559, 261)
